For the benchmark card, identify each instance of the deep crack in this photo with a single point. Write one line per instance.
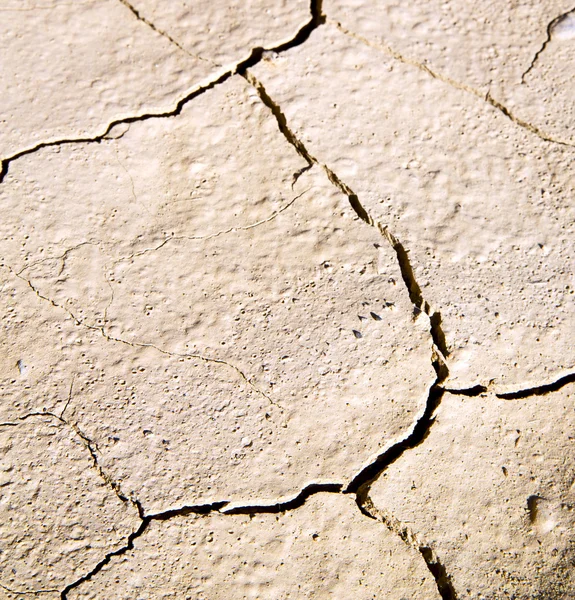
(471, 392)
(540, 390)
(414, 290)
(363, 481)
(287, 505)
(550, 28)
(443, 582)
(434, 565)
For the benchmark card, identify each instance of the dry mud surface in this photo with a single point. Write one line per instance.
(287, 300)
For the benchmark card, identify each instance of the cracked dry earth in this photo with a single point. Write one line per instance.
(287, 299)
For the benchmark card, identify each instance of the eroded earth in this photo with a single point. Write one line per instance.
(287, 300)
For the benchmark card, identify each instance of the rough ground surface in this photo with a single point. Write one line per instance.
(287, 299)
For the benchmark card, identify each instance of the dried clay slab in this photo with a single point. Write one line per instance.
(325, 548)
(76, 67)
(491, 491)
(80, 207)
(521, 53)
(256, 339)
(481, 206)
(58, 517)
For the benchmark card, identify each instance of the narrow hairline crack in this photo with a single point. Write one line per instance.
(88, 444)
(163, 33)
(171, 238)
(550, 27)
(27, 592)
(48, 7)
(256, 54)
(62, 257)
(453, 83)
(102, 330)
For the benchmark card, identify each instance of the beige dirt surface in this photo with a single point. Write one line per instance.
(318, 550)
(481, 204)
(287, 300)
(519, 53)
(491, 491)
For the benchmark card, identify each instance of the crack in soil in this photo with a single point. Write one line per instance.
(203, 509)
(435, 568)
(406, 269)
(550, 28)
(163, 33)
(537, 390)
(471, 392)
(453, 83)
(362, 482)
(102, 330)
(360, 485)
(167, 240)
(88, 444)
(434, 565)
(27, 592)
(540, 390)
(256, 54)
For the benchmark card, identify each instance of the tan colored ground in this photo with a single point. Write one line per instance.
(287, 300)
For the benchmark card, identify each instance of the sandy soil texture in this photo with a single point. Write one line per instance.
(287, 300)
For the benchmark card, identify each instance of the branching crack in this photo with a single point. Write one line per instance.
(359, 486)
(453, 83)
(552, 24)
(101, 329)
(203, 509)
(255, 56)
(89, 444)
(62, 257)
(225, 508)
(361, 483)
